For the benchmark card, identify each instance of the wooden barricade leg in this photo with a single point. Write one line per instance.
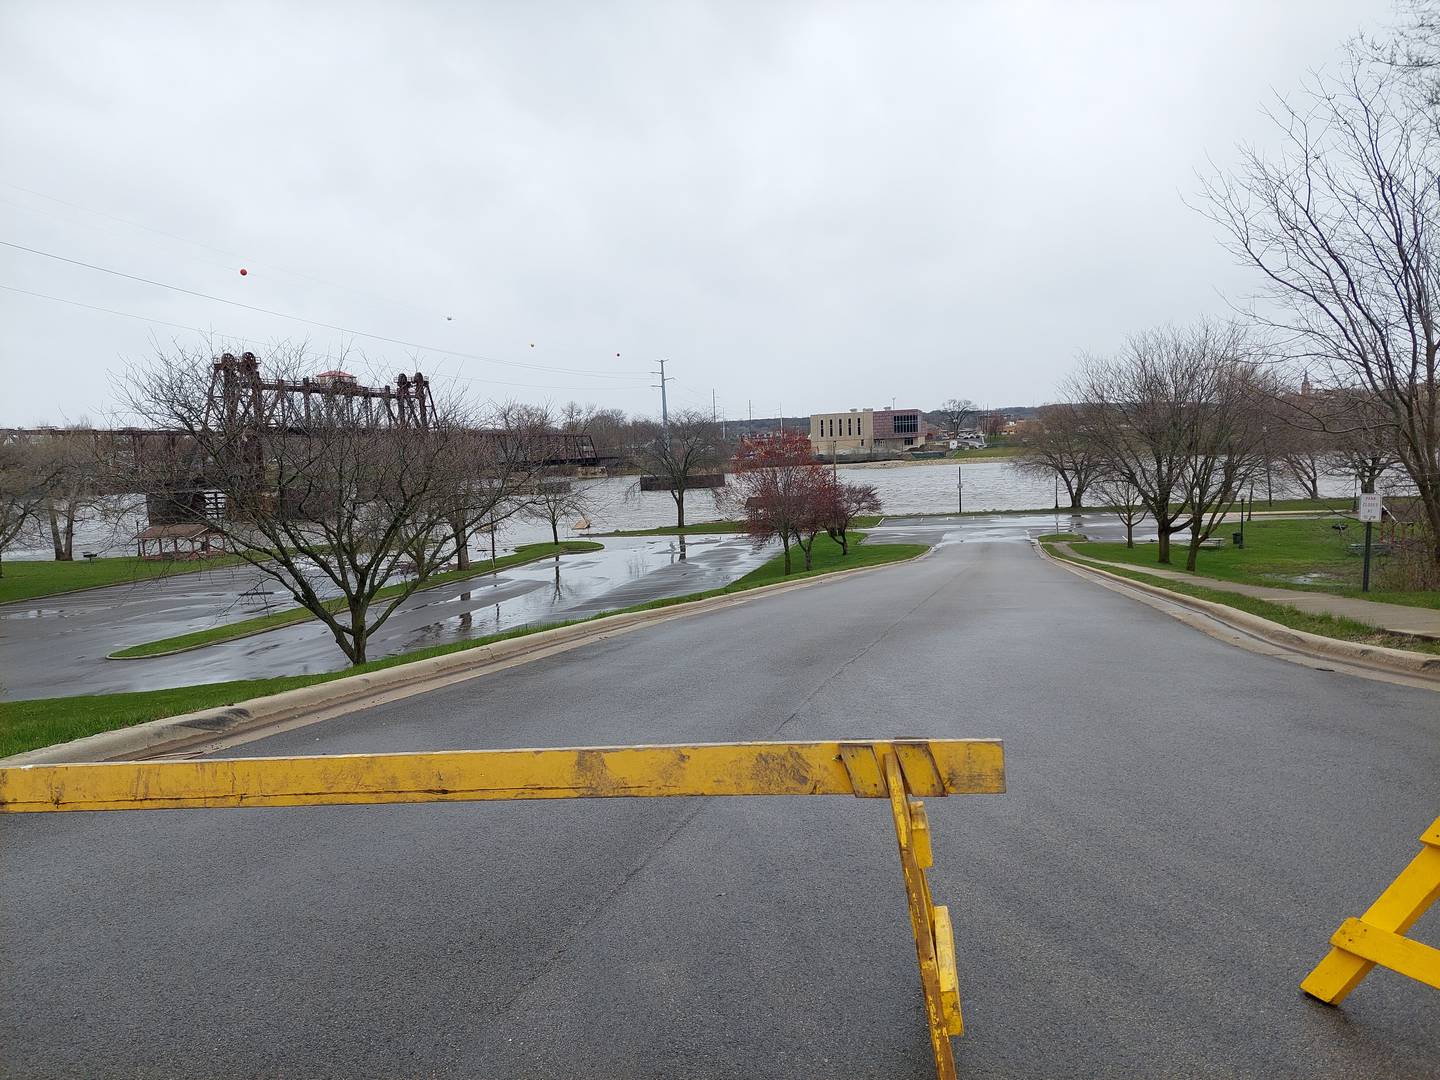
(934, 938)
(1377, 937)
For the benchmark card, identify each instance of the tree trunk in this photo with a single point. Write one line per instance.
(462, 547)
(555, 530)
(1129, 533)
(1193, 553)
(57, 539)
(785, 543)
(359, 637)
(844, 539)
(70, 533)
(1163, 546)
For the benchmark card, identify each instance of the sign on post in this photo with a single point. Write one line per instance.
(1369, 506)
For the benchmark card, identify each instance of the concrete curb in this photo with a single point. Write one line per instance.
(173, 734)
(1391, 661)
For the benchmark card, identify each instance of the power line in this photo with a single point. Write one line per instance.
(196, 243)
(313, 322)
(253, 341)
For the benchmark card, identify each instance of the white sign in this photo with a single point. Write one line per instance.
(1369, 506)
(954, 444)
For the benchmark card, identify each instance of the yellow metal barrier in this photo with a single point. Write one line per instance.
(1377, 937)
(897, 770)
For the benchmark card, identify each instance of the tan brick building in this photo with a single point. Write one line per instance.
(861, 430)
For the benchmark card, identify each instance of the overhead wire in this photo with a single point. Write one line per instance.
(314, 322)
(229, 255)
(253, 341)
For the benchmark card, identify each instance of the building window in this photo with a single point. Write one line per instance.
(907, 424)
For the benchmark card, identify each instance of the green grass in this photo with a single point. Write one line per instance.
(526, 553)
(1320, 623)
(825, 558)
(1053, 538)
(28, 579)
(1305, 555)
(26, 725)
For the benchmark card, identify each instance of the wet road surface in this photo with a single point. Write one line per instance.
(1186, 825)
(57, 646)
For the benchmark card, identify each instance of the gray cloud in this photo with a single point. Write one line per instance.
(819, 205)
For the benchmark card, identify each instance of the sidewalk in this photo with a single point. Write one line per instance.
(1396, 618)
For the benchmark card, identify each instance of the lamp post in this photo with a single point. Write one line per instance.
(960, 488)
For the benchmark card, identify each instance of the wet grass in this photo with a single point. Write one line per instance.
(30, 579)
(526, 553)
(26, 725)
(1310, 556)
(1318, 623)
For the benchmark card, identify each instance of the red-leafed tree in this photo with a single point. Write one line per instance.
(784, 491)
(842, 504)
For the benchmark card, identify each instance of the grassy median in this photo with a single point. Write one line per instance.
(1318, 623)
(29, 579)
(26, 725)
(1309, 555)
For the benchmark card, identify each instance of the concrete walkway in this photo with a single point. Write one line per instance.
(1396, 618)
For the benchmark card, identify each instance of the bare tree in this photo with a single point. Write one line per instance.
(1060, 446)
(1174, 416)
(26, 478)
(1341, 223)
(688, 448)
(72, 457)
(506, 453)
(1361, 436)
(1124, 501)
(1228, 440)
(553, 500)
(956, 412)
(335, 505)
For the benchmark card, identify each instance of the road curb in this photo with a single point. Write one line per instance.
(1380, 657)
(174, 734)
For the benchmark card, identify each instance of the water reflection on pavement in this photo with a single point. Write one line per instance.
(57, 646)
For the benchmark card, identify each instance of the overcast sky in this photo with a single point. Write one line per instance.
(821, 205)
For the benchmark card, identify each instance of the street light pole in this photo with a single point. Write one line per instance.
(960, 488)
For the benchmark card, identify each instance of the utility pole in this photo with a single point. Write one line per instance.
(664, 407)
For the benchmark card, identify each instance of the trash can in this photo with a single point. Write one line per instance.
(1238, 539)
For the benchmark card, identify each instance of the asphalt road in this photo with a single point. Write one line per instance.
(1186, 825)
(83, 628)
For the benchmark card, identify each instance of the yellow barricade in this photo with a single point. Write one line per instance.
(897, 769)
(1378, 936)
